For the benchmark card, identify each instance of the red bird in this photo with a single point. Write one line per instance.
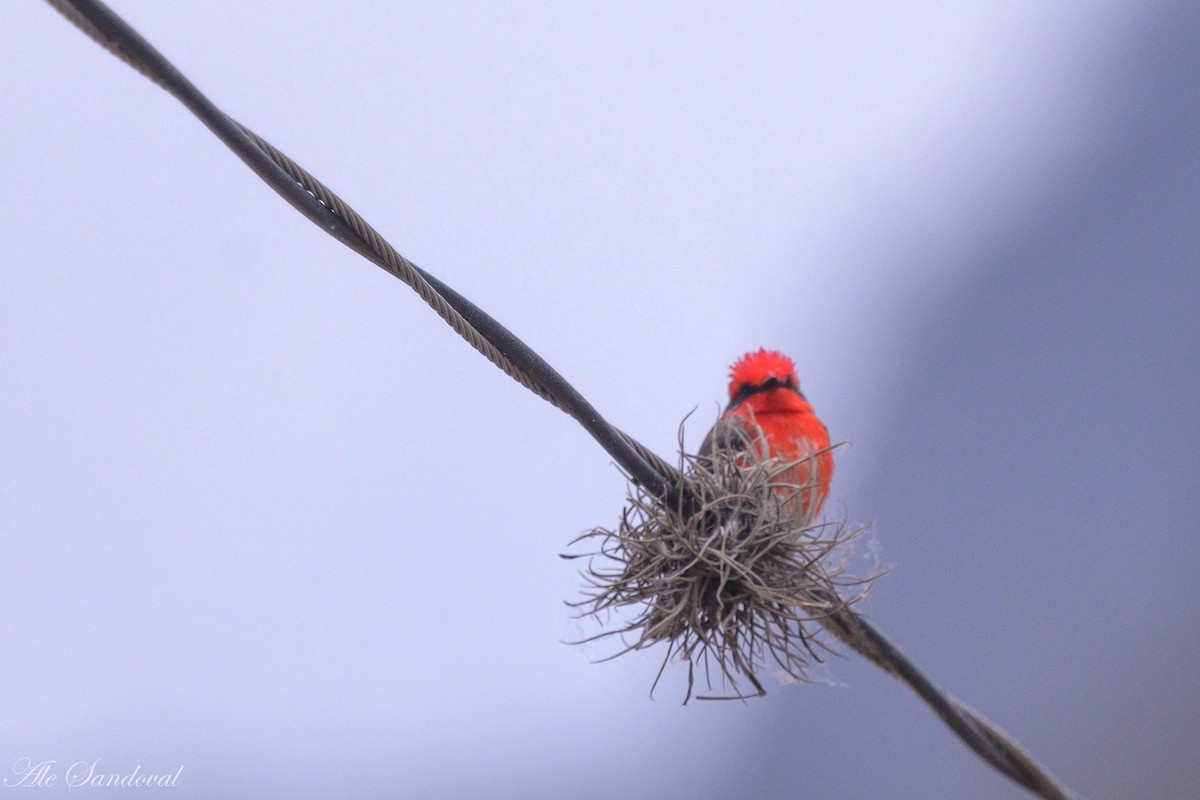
(765, 392)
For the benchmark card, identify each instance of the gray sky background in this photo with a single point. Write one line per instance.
(265, 516)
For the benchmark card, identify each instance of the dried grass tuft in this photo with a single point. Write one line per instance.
(733, 582)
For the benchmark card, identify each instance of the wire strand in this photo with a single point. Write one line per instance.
(317, 202)
(989, 742)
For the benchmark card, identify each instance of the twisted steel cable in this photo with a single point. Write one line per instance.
(993, 745)
(335, 217)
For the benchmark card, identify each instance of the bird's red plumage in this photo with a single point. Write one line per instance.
(772, 399)
(757, 367)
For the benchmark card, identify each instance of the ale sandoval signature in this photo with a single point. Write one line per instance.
(27, 772)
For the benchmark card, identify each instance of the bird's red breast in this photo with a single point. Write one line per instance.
(764, 391)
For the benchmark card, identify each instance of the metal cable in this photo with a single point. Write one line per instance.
(332, 214)
(976, 731)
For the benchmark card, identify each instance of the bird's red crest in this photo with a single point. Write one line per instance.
(757, 367)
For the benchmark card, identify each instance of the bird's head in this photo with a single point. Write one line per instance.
(760, 371)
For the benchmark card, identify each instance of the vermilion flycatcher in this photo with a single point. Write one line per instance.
(764, 395)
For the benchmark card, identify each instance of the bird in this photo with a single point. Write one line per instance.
(768, 411)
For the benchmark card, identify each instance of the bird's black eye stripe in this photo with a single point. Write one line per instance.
(745, 390)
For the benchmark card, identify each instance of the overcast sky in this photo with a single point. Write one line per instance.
(267, 518)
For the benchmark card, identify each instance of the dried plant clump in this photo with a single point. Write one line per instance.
(730, 580)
